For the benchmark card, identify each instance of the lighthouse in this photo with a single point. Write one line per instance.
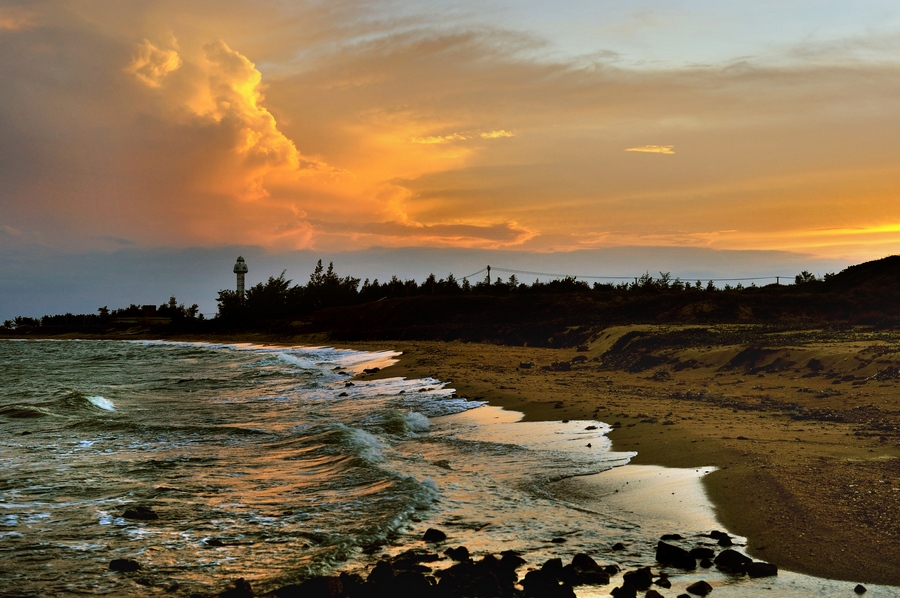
(240, 268)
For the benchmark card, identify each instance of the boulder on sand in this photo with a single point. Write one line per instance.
(761, 569)
(732, 561)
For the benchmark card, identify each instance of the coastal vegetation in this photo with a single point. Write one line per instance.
(560, 312)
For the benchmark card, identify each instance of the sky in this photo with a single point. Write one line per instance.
(145, 144)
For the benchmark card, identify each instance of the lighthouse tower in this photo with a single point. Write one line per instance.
(240, 268)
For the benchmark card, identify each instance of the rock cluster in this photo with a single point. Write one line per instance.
(408, 574)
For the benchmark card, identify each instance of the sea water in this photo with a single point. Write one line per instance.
(275, 464)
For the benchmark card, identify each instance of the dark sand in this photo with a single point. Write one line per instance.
(807, 468)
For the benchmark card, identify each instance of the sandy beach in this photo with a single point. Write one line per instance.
(802, 428)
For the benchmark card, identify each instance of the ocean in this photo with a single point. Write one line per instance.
(275, 464)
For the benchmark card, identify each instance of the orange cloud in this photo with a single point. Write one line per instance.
(151, 65)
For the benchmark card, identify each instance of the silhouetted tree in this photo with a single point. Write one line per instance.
(805, 277)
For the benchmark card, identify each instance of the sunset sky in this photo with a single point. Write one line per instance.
(745, 137)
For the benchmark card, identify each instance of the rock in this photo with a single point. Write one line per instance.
(583, 561)
(625, 591)
(553, 567)
(584, 577)
(860, 589)
(510, 560)
(761, 569)
(653, 594)
(434, 535)
(410, 583)
(124, 565)
(702, 552)
(503, 569)
(381, 574)
(541, 584)
(140, 513)
(352, 583)
(700, 588)
(671, 537)
(410, 560)
(732, 561)
(706, 563)
(240, 588)
(618, 546)
(458, 554)
(669, 554)
(317, 587)
(639, 579)
(584, 571)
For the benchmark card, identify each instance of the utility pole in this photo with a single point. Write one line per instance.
(489, 275)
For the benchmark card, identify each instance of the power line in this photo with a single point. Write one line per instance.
(775, 277)
(476, 273)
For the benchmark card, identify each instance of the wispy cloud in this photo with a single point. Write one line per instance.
(437, 139)
(653, 149)
(16, 19)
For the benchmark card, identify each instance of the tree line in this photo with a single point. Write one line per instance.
(277, 298)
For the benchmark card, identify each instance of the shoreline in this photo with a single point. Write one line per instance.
(774, 474)
(806, 460)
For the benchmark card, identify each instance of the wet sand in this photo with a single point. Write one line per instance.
(806, 468)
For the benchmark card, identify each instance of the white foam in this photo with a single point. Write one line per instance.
(416, 422)
(102, 403)
(369, 446)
